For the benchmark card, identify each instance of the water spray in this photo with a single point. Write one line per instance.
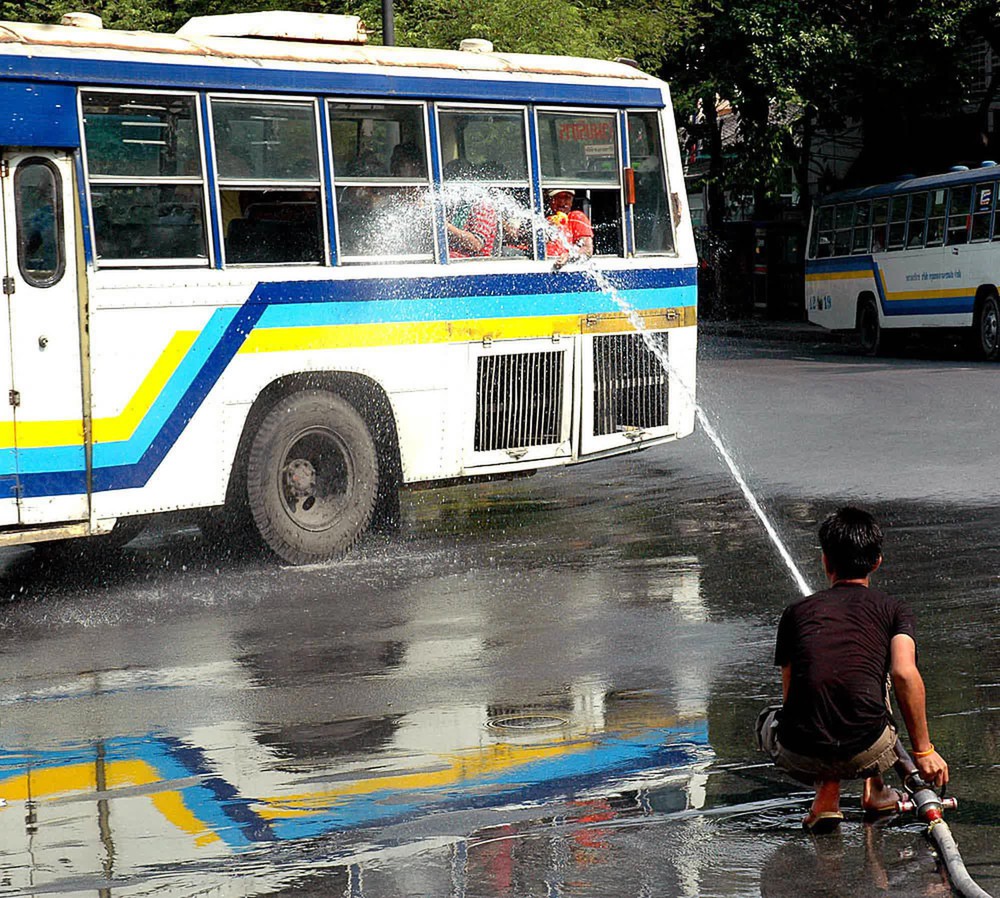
(929, 808)
(720, 447)
(509, 209)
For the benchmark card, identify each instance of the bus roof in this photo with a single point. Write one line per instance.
(189, 45)
(988, 171)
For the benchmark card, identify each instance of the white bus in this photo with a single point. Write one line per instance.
(233, 282)
(916, 253)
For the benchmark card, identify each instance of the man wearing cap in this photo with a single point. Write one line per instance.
(573, 232)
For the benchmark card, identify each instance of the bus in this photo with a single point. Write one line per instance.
(232, 286)
(914, 253)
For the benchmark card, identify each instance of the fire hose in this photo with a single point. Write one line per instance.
(930, 807)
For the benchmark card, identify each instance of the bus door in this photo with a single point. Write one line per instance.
(42, 458)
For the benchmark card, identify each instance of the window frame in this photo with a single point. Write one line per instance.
(658, 112)
(942, 218)
(820, 210)
(59, 224)
(525, 109)
(890, 246)
(617, 112)
(90, 180)
(348, 181)
(920, 244)
(987, 214)
(971, 187)
(319, 185)
(865, 248)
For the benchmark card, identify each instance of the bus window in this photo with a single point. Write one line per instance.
(579, 151)
(862, 227)
(935, 218)
(958, 215)
(39, 216)
(144, 167)
(484, 155)
(651, 212)
(824, 230)
(917, 222)
(267, 159)
(842, 230)
(897, 222)
(880, 217)
(384, 207)
(982, 211)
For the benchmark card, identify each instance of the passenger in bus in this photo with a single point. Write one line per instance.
(571, 236)
(473, 223)
(407, 161)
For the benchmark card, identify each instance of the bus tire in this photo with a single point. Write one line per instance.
(312, 477)
(870, 332)
(986, 331)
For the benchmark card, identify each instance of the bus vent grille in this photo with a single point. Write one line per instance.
(630, 384)
(519, 400)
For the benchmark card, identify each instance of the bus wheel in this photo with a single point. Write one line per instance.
(987, 329)
(869, 329)
(312, 477)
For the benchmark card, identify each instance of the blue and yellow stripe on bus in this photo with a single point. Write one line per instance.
(926, 301)
(302, 315)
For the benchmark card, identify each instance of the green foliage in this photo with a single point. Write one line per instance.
(784, 65)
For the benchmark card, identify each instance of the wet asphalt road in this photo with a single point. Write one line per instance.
(537, 688)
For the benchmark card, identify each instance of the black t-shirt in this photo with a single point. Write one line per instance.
(837, 642)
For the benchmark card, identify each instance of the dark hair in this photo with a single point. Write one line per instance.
(852, 542)
(406, 154)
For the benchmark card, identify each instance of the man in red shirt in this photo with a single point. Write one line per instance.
(837, 649)
(574, 235)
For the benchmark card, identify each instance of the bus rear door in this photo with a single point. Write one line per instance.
(42, 459)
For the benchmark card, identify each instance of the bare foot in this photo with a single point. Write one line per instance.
(878, 798)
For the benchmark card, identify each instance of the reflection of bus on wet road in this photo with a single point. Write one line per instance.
(181, 815)
(231, 281)
(916, 253)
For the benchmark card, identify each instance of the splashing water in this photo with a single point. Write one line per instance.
(508, 208)
(605, 285)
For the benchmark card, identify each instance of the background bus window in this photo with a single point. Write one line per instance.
(144, 171)
(485, 173)
(267, 160)
(917, 221)
(842, 220)
(38, 211)
(384, 207)
(580, 151)
(862, 227)
(897, 223)
(982, 211)
(824, 232)
(935, 217)
(958, 215)
(651, 212)
(880, 218)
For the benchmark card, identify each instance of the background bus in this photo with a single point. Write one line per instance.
(231, 281)
(916, 253)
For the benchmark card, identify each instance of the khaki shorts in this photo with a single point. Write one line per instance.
(875, 759)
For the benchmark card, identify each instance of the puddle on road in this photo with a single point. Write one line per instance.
(166, 813)
(279, 732)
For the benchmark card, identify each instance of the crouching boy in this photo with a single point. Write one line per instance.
(837, 650)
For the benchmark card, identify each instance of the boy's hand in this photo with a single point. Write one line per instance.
(933, 769)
